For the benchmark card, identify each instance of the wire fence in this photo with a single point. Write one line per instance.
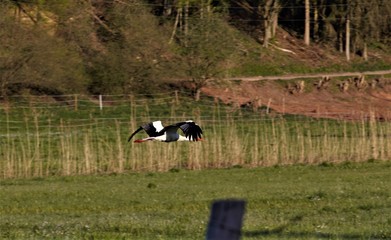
(84, 134)
(174, 101)
(27, 115)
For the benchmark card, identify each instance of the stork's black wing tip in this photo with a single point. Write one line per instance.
(134, 133)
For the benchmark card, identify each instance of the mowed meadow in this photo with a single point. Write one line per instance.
(335, 201)
(68, 172)
(76, 135)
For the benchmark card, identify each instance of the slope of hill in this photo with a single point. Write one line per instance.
(120, 48)
(353, 104)
(336, 97)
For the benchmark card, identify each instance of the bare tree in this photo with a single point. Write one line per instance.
(307, 23)
(347, 39)
(265, 12)
(270, 11)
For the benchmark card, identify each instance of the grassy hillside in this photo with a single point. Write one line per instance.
(288, 54)
(123, 47)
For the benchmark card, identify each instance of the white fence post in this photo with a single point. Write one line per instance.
(100, 102)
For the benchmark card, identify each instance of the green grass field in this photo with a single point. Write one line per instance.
(67, 172)
(327, 201)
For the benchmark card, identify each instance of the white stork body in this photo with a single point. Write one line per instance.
(157, 132)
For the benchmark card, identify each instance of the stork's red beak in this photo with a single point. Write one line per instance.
(139, 140)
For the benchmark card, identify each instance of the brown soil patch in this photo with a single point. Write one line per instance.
(353, 104)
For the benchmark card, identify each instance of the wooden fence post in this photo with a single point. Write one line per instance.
(176, 97)
(100, 102)
(132, 106)
(225, 221)
(268, 106)
(75, 102)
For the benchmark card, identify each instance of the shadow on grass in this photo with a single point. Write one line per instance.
(280, 233)
(298, 235)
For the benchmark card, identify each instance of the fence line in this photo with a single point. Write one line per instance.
(83, 140)
(70, 129)
(99, 101)
(88, 102)
(206, 118)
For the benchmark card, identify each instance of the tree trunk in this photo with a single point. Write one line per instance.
(347, 42)
(274, 24)
(316, 24)
(167, 8)
(186, 18)
(267, 34)
(266, 24)
(365, 51)
(340, 41)
(274, 18)
(202, 9)
(209, 8)
(197, 94)
(205, 8)
(307, 23)
(270, 16)
(178, 16)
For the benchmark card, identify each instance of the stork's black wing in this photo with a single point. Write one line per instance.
(191, 130)
(135, 132)
(149, 128)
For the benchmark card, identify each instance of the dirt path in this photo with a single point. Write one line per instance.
(317, 75)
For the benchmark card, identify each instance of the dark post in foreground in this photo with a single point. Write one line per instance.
(225, 221)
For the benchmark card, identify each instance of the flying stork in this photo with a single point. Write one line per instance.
(157, 132)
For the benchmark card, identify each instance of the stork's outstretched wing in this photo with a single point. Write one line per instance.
(190, 129)
(135, 132)
(153, 129)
